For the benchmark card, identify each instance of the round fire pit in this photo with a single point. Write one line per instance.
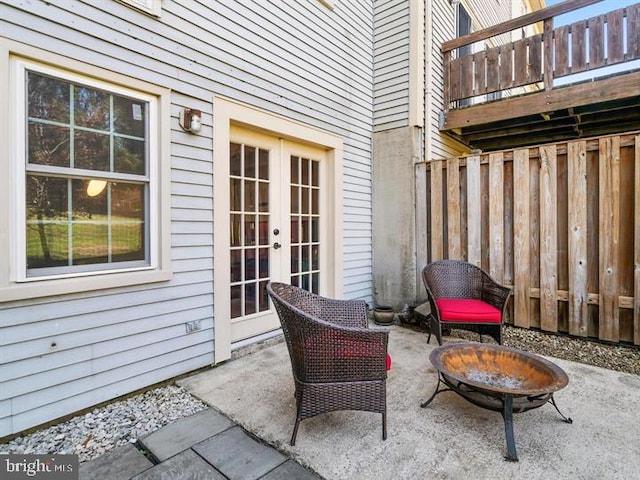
(503, 379)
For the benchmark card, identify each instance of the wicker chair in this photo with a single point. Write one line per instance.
(464, 296)
(338, 362)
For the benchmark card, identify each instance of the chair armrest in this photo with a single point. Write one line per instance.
(495, 294)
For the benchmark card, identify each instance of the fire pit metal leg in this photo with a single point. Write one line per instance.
(437, 391)
(507, 415)
(565, 419)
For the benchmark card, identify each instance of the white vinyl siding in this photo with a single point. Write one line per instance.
(391, 67)
(300, 60)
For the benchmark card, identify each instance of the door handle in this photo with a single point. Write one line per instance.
(276, 245)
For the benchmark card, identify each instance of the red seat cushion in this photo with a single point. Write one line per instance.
(467, 310)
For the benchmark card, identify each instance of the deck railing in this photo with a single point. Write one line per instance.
(536, 61)
(560, 223)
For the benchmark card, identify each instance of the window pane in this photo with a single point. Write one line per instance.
(236, 235)
(91, 151)
(129, 156)
(250, 300)
(264, 297)
(235, 195)
(306, 180)
(250, 230)
(263, 194)
(250, 264)
(48, 145)
(263, 254)
(236, 301)
(235, 161)
(263, 165)
(49, 98)
(129, 116)
(294, 199)
(236, 265)
(315, 175)
(89, 225)
(249, 196)
(127, 222)
(91, 108)
(249, 162)
(263, 230)
(294, 169)
(47, 222)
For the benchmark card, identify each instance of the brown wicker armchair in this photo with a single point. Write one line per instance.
(464, 296)
(338, 362)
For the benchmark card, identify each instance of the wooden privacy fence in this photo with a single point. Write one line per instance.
(559, 222)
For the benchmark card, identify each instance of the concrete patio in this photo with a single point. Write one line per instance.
(451, 438)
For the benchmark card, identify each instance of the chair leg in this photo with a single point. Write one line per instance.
(384, 425)
(295, 432)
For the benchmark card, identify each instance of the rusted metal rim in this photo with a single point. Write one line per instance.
(498, 369)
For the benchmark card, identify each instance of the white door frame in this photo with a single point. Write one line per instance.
(227, 112)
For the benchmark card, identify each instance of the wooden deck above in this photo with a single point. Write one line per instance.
(533, 90)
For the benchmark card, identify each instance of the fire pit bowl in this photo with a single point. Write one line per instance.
(499, 378)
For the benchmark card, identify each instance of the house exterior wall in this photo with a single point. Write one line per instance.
(300, 60)
(415, 30)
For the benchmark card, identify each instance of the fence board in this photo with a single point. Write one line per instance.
(493, 73)
(615, 37)
(633, 34)
(636, 294)
(609, 152)
(561, 48)
(596, 42)
(577, 224)
(506, 65)
(466, 72)
(578, 47)
(535, 58)
(474, 217)
(479, 85)
(520, 60)
(522, 284)
(548, 239)
(437, 217)
(453, 208)
(496, 216)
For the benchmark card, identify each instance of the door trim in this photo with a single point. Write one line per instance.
(227, 112)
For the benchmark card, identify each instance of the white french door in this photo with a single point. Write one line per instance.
(275, 226)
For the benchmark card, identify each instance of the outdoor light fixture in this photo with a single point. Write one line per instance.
(190, 120)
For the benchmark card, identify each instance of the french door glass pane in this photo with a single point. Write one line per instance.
(249, 242)
(305, 221)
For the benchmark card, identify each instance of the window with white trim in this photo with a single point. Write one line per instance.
(87, 177)
(86, 181)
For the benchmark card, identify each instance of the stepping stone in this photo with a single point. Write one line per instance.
(239, 456)
(291, 470)
(184, 433)
(186, 465)
(122, 462)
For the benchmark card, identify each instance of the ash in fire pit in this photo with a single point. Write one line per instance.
(494, 379)
(498, 378)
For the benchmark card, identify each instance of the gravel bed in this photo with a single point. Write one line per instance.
(105, 428)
